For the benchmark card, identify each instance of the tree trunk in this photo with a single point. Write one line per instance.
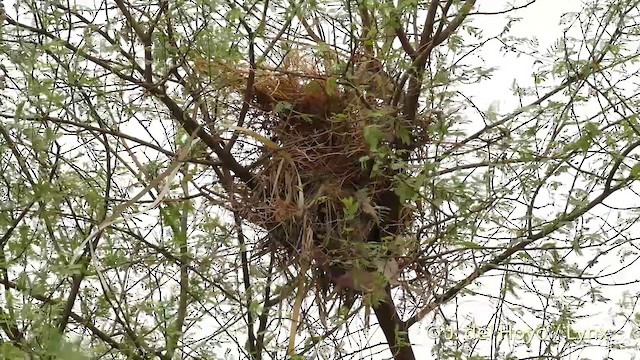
(394, 328)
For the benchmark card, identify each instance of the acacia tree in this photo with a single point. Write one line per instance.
(270, 179)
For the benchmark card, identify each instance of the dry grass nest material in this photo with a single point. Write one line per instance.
(312, 181)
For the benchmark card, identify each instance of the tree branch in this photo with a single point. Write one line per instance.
(395, 331)
(509, 252)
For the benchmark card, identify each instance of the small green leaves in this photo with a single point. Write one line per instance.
(9, 351)
(372, 136)
(525, 256)
(405, 191)
(351, 207)
(332, 86)
(404, 134)
(470, 245)
(282, 106)
(592, 129)
(635, 171)
(235, 14)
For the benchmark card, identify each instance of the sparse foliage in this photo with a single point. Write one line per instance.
(211, 179)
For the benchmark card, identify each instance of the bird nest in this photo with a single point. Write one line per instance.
(316, 198)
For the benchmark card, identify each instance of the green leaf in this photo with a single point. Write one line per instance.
(351, 207)
(592, 129)
(582, 144)
(8, 351)
(470, 245)
(405, 191)
(575, 243)
(19, 110)
(332, 86)
(404, 134)
(282, 106)
(635, 171)
(525, 256)
(372, 136)
(235, 14)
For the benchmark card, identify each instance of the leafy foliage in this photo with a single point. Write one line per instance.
(173, 175)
